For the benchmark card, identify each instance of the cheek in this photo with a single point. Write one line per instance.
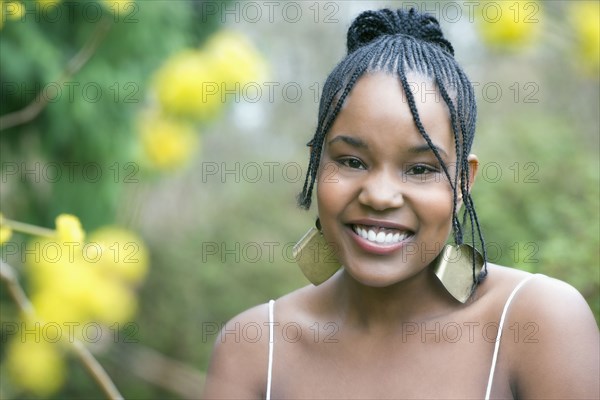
(434, 204)
(330, 189)
(334, 192)
(327, 173)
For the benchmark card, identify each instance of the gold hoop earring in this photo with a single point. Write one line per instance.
(315, 257)
(454, 269)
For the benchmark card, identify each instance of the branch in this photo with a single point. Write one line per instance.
(96, 371)
(30, 229)
(7, 274)
(33, 109)
(160, 370)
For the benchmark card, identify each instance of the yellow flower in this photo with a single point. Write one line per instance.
(188, 85)
(48, 3)
(35, 365)
(54, 306)
(166, 142)
(236, 59)
(509, 24)
(47, 259)
(83, 294)
(5, 234)
(62, 281)
(69, 229)
(124, 255)
(117, 5)
(112, 302)
(585, 20)
(5, 230)
(14, 10)
(84, 283)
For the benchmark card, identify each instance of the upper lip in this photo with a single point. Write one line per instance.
(380, 223)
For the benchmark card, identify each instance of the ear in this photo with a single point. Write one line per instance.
(473, 167)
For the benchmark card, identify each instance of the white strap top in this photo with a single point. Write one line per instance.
(499, 336)
(269, 371)
(494, 358)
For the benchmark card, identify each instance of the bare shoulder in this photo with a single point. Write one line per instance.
(555, 305)
(239, 362)
(538, 296)
(238, 366)
(556, 354)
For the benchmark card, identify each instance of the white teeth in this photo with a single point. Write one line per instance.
(363, 233)
(372, 236)
(389, 237)
(380, 235)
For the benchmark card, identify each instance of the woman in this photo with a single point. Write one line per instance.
(406, 316)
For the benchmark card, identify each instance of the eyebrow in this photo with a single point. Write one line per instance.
(425, 148)
(356, 142)
(352, 141)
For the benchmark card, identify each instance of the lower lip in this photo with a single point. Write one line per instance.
(376, 248)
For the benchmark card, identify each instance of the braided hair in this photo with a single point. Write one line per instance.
(399, 42)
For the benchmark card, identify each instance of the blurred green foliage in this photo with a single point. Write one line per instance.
(89, 122)
(540, 209)
(86, 132)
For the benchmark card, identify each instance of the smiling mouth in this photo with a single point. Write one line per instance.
(380, 235)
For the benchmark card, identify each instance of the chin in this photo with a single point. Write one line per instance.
(378, 276)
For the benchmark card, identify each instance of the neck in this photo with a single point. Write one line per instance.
(416, 299)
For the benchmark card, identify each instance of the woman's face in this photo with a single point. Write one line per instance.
(384, 200)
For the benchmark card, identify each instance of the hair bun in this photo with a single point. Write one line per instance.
(371, 25)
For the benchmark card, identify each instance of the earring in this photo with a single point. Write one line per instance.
(454, 268)
(315, 257)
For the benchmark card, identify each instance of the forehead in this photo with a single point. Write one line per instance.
(378, 109)
(380, 87)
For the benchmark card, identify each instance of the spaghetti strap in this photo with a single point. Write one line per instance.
(499, 335)
(270, 367)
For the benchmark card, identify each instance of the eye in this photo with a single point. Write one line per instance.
(352, 162)
(421, 169)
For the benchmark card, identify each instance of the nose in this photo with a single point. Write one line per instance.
(382, 190)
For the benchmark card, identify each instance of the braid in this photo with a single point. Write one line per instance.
(326, 120)
(398, 42)
(457, 230)
(413, 109)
